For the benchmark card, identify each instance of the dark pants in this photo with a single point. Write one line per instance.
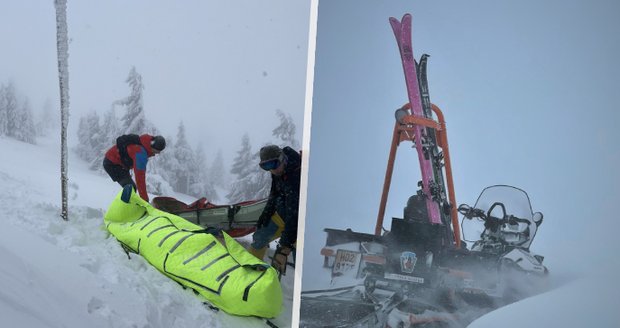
(263, 236)
(118, 173)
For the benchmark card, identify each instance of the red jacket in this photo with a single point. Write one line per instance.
(139, 154)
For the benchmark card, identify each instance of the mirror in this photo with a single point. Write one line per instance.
(400, 115)
(464, 209)
(537, 218)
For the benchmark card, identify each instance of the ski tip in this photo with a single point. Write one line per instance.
(406, 21)
(396, 24)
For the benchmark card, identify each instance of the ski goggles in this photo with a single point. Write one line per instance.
(270, 164)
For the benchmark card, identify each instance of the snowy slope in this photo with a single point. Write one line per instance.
(73, 274)
(590, 301)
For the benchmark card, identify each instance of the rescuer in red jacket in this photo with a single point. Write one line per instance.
(132, 152)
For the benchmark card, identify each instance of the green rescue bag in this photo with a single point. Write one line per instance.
(217, 267)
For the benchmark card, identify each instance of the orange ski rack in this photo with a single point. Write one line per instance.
(403, 131)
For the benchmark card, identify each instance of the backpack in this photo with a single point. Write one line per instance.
(122, 142)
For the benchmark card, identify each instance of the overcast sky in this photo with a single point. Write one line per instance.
(529, 91)
(222, 67)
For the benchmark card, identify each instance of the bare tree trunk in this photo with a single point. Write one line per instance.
(63, 76)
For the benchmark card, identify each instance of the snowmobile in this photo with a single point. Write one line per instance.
(425, 282)
(420, 273)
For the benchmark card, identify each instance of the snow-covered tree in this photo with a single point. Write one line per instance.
(103, 137)
(82, 150)
(250, 181)
(157, 185)
(46, 121)
(217, 173)
(200, 186)
(241, 170)
(24, 125)
(98, 141)
(184, 155)
(3, 111)
(109, 128)
(16, 120)
(286, 130)
(161, 171)
(262, 180)
(11, 110)
(133, 121)
(91, 146)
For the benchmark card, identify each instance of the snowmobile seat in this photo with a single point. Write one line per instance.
(416, 209)
(415, 234)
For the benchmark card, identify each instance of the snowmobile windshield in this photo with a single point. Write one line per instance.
(499, 203)
(515, 200)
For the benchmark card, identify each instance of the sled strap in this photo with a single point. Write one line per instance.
(232, 210)
(270, 324)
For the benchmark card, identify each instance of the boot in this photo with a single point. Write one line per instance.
(259, 253)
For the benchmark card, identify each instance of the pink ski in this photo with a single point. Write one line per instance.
(402, 32)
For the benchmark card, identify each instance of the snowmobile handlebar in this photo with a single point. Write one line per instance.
(511, 219)
(506, 218)
(472, 212)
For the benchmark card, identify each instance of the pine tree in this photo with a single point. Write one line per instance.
(3, 111)
(106, 135)
(17, 120)
(109, 128)
(286, 130)
(96, 141)
(242, 171)
(29, 125)
(262, 181)
(161, 171)
(81, 149)
(24, 124)
(91, 145)
(133, 121)
(251, 181)
(260, 184)
(217, 173)
(200, 186)
(184, 155)
(12, 110)
(46, 121)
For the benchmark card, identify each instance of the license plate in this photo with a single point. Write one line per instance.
(347, 262)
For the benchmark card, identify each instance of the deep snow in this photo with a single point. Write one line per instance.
(590, 301)
(73, 274)
(68, 274)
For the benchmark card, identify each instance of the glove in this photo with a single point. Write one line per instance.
(280, 259)
(126, 195)
(263, 220)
